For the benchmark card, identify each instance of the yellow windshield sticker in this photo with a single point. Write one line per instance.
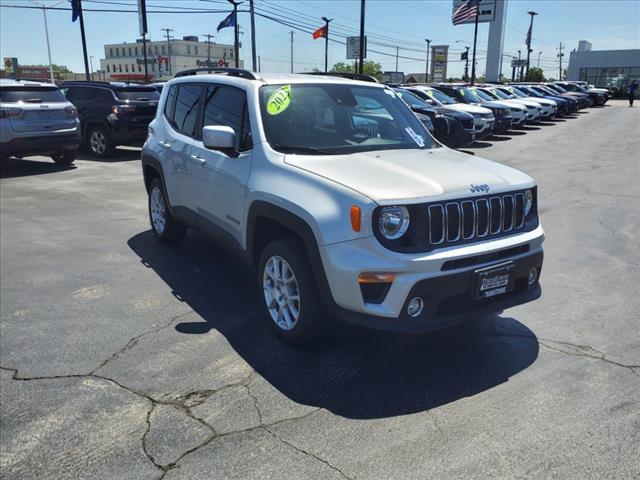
(462, 92)
(279, 100)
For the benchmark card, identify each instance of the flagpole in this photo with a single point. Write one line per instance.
(475, 39)
(326, 43)
(84, 42)
(253, 36)
(236, 31)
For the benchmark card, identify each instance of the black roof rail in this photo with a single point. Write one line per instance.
(232, 72)
(82, 82)
(351, 76)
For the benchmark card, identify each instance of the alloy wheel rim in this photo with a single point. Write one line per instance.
(98, 142)
(158, 213)
(281, 293)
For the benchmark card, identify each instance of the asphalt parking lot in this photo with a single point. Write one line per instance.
(121, 358)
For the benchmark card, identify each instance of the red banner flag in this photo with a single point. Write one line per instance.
(320, 33)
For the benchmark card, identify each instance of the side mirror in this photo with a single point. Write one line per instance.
(219, 137)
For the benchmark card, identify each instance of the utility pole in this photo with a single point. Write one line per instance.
(208, 36)
(168, 37)
(539, 53)
(426, 68)
(361, 56)
(520, 71)
(259, 64)
(84, 41)
(253, 36)
(501, 62)
(291, 33)
(397, 53)
(46, 33)
(466, 66)
(529, 35)
(560, 55)
(91, 66)
(326, 43)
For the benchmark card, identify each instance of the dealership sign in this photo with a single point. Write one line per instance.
(439, 55)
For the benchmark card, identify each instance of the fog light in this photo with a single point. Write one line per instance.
(415, 307)
(532, 276)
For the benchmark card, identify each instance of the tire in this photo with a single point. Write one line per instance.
(64, 158)
(294, 278)
(165, 228)
(99, 142)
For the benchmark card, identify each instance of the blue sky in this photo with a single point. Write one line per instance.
(608, 24)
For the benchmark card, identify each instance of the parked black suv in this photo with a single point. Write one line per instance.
(112, 114)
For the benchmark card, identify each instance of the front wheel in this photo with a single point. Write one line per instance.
(289, 293)
(165, 228)
(64, 158)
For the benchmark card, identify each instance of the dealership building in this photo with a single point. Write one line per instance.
(604, 68)
(125, 61)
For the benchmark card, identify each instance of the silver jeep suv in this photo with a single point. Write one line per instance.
(332, 189)
(36, 119)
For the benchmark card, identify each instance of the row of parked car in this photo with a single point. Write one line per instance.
(45, 119)
(459, 114)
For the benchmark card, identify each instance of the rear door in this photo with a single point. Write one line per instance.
(43, 110)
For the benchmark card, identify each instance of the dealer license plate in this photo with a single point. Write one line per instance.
(493, 280)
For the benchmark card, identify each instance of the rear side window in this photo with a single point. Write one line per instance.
(170, 104)
(227, 106)
(31, 95)
(138, 94)
(185, 116)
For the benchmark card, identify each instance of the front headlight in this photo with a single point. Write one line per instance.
(528, 202)
(393, 222)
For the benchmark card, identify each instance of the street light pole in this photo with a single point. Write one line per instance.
(539, 53)
(91, 66)
(326, 43)
(46, 33)
(361, 56)
(426, 70)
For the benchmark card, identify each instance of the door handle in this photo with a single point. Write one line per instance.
(164, 144)
(199, 159)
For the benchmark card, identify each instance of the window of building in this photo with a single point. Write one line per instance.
(196, 49)
(130, 53)
(163, 50)
(186, 109)
(155, 47)
(136, 51)
(133, 68)
(227, 106)
(188, 49)
(120, 67)
(126, 67)
(111, 52)
(139, 67)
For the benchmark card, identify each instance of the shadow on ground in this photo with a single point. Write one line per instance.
(22, 167)
(355, 373)
(120, 154)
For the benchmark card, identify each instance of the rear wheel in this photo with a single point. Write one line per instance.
(165, 228)
(64, 158)
(289, 293)
(99, 142)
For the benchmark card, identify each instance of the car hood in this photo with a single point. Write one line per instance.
(460, 115)
(542, 101)
(496, 104)
(411, 176)
(466, 107)
(523, 102)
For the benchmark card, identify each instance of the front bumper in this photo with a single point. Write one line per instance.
(483, 127)
(446, 291)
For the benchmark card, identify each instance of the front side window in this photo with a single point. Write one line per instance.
(228, 106)
(338, 119)
(185, 117)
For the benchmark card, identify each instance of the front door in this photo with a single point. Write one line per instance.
(222, 179)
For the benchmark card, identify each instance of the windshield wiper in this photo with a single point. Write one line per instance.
(300, 149)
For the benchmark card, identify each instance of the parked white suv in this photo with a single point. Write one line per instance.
(332, 190)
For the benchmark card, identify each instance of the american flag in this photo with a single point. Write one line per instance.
(467, 11)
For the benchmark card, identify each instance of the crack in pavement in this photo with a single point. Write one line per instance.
(310, 454)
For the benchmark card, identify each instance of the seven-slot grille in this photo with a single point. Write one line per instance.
(478, 218)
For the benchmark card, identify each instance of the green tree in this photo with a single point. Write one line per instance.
(534, 74)
(370, 68)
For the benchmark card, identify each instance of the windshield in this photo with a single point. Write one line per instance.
(30, 94)
(557, 88)
(440, 97)
(500, 94)
(518, 93)
(530, 91)
(412, 100)
(334, 118)
(483, 95)
(468, 95)
(138, 94)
